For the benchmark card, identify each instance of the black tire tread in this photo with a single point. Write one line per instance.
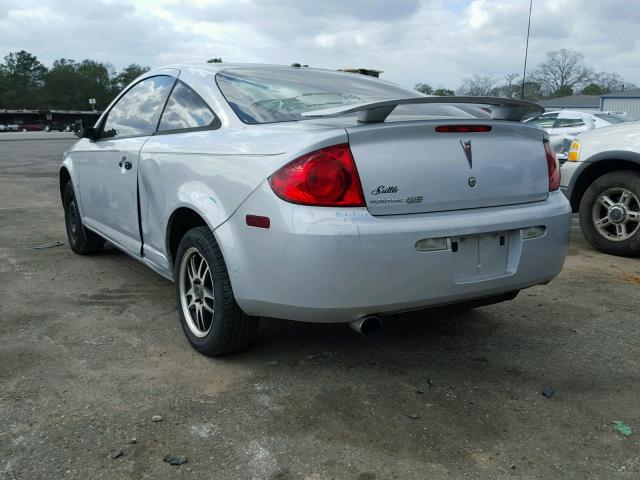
(238, 330)
(621, 178)
(87, 242)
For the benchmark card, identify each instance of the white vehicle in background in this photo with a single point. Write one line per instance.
(601, 179)
(564, 125)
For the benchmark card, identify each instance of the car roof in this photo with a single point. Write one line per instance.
(219, 67)
(214, 68)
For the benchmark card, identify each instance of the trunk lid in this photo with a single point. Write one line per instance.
(409, 167)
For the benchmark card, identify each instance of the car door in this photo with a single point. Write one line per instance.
(172, 156)
(107, 170)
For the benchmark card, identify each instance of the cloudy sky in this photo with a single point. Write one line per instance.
(434, 41)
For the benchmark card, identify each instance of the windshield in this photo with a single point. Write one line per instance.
(613, 117)
(266, 95)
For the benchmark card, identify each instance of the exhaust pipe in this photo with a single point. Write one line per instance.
(366, 325)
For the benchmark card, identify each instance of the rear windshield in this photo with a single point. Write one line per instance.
(267, 95)
(613, 117)
(544, 121)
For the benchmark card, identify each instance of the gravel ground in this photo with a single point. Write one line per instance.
(91, 350)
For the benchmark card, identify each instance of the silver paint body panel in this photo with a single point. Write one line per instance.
(336, 265)
(506, 163)
(315, 263)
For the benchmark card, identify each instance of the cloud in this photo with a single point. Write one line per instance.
(434, 41)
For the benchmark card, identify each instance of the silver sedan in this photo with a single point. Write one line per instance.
(314, 195)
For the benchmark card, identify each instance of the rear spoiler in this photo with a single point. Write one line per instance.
(372, 112)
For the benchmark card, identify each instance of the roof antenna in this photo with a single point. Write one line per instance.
(526, 50)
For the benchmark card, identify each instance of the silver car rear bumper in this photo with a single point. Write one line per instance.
(335, 265)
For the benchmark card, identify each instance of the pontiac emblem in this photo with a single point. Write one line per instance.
(466, 146)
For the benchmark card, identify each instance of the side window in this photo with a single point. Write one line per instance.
(137, 112)
(570, 122)
(545, 121)
(186, 110)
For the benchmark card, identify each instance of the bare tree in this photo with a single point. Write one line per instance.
(562, 71)
(477, 86)
(608, 82)
(509, 89)
(532, 91)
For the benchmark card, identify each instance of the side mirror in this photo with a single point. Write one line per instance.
(87, 132)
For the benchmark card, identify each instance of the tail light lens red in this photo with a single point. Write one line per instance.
(553, 167)
(463, 128)
(326, 177)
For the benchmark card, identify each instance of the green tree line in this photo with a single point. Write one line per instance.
(25, 82)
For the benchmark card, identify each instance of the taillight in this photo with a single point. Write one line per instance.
(326, 177)
(553, 167)
(463, 128)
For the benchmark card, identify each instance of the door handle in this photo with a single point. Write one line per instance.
(126, 163)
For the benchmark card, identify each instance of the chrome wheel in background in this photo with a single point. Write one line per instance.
(196, 292)
(616, 214)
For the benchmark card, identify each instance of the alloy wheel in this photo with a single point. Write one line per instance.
(616, 214)
(196, 292)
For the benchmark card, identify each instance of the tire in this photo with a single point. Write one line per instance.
(221, 327)
(81, 240)
(25, 130)
(618, 231)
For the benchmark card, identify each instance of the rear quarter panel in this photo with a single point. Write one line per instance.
(212, 172)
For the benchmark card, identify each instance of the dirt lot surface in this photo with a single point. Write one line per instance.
(91, 350)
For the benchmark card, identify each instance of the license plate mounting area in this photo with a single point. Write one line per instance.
(481, 257)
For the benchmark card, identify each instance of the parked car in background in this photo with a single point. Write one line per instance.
(314, 195)
(564, 125)
(31, 127)
(11, 127)
(62, 127)
(56, 126)
(601, 179)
